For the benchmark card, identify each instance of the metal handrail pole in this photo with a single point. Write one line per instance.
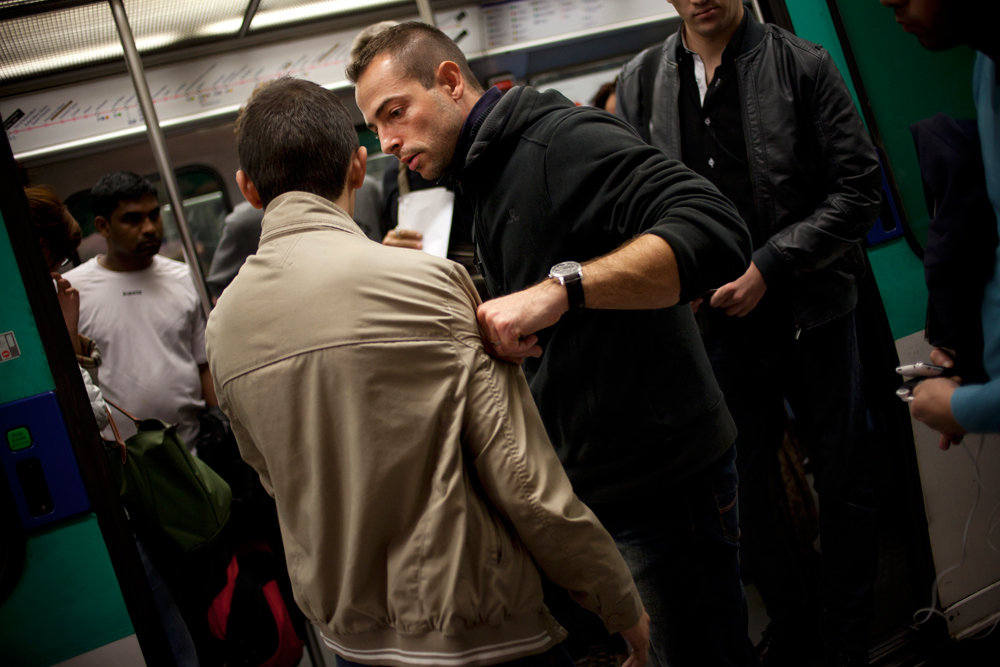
(159, 146)
(426, 14)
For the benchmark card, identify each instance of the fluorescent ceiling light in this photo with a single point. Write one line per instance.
(266, 18)
(227, 27)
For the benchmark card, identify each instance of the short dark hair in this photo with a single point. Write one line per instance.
(419, 49)
(295, 135)
(116, 187)
(52, 222)
(604, 92)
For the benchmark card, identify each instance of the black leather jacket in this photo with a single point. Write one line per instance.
(815, 172)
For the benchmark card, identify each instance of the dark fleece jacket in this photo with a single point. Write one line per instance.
(628, 397)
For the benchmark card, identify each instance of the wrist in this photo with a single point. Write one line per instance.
(569, 275)
(556, 296)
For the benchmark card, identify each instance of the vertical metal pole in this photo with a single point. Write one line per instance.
(426, 15)
(756, 7)
(159, 146)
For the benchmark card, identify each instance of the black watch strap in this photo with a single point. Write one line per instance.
(574, 292)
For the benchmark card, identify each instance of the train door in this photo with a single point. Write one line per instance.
(71, 582)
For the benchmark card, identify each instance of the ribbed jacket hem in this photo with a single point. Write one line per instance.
(483, 645)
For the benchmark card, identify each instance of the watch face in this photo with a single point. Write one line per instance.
(565, 269)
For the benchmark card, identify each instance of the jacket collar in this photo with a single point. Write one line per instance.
(473, 123)
(752, 38)
(494, 123)
(292, 212)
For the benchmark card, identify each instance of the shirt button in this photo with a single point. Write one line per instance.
(708, 121)
(711, 162)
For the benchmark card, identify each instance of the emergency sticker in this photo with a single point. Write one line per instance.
(8, 347)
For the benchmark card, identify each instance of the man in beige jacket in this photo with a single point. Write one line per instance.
(417, 492)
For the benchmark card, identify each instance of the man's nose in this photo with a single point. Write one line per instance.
(148, 226)
(390, 145)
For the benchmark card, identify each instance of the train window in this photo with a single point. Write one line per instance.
(206, 204)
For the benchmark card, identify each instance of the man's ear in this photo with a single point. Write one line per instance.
(103, 226)
(356, 172)
(248, 189)
(449, 76)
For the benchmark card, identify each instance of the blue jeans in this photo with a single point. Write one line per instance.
(681, 547)
(554, 657)
(759, 362)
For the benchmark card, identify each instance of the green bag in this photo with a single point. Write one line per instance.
(164, 487)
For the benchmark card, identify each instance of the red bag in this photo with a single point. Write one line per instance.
(252, 614)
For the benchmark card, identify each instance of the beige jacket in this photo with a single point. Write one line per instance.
(415, 485)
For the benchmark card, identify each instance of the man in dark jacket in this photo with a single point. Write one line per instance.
(624, 386)
(768, 119)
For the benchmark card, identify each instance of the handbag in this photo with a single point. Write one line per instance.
(164, 487)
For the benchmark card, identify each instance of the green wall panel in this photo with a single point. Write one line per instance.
(906, 83)
(67, 601)
(28, 374)
(900, 278)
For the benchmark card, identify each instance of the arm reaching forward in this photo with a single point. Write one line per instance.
(641, 274)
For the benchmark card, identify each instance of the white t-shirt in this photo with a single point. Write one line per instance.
(150, 329)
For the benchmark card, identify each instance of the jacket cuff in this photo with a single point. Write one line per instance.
(625, 613)
(771, 264)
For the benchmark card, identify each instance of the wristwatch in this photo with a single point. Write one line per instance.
(570, 274)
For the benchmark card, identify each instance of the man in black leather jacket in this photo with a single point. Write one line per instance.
(767, 118)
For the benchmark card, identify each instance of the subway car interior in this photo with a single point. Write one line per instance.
(89, 87)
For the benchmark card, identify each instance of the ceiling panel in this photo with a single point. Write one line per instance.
(274, 13)
(183, 20)
(62, 39)
(57, 40)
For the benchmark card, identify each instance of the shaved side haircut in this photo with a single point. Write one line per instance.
(418, 49)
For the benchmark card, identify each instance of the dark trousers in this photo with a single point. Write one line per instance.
(681, 547)
(554, 657)
(759, 362)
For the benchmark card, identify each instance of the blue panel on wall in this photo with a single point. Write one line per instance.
(888, 226)
(39, 461)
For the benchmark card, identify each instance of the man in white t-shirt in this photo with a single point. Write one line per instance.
(143, 311)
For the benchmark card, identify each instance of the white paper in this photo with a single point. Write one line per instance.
(429, 212)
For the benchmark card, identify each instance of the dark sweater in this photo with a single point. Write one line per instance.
(628, 397)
